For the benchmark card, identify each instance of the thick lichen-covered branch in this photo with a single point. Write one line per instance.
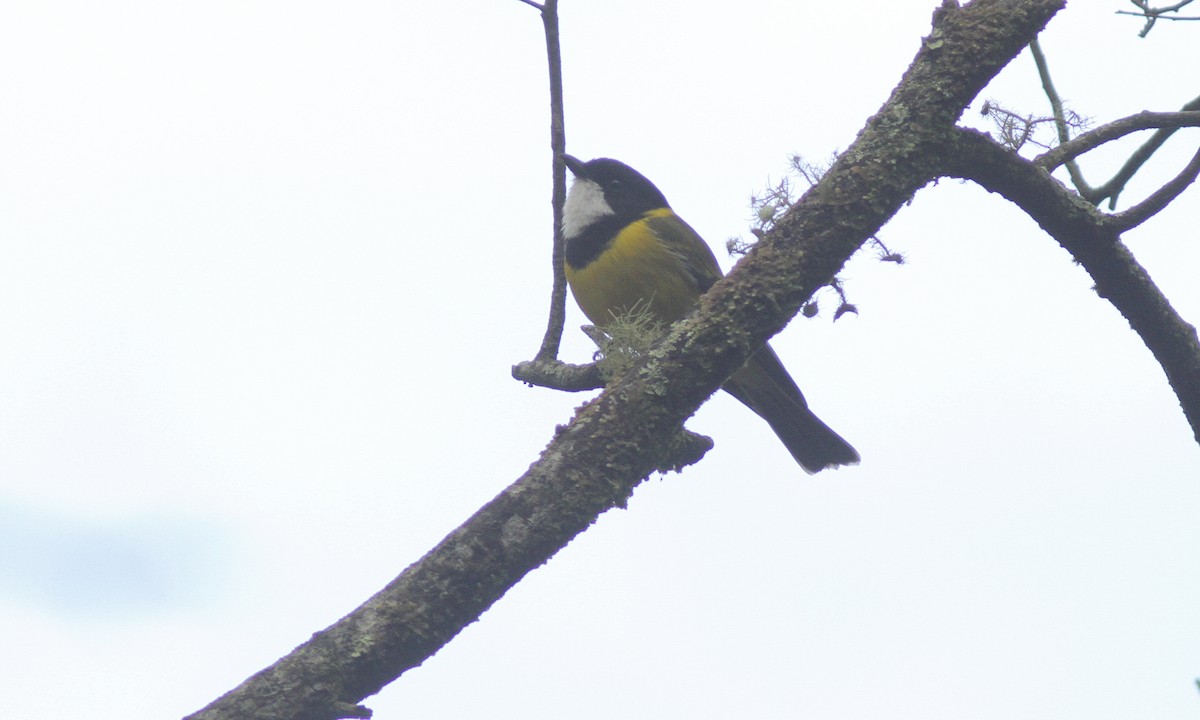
(614, 442)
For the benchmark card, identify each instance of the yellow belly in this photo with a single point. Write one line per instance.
(636, 269)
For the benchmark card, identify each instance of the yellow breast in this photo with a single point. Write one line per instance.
(636, 268)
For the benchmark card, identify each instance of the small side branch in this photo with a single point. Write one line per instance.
(1112, 189)
(1153, 14)
(1168, 122)
(558, 145)
(558, 375)
(1060, 118)
(1164, 196)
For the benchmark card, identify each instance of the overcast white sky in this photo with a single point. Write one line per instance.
(265, 267)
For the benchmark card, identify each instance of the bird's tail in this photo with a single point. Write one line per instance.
(765, 387)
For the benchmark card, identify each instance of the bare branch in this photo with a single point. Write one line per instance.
(1162, 197)
(1094, 242)
(1060, 121)
(1112, 131)
(558, 145)
(1112, 189)
(1153, 14)
(1016, 130)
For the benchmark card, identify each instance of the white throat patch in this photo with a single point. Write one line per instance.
(585, 205)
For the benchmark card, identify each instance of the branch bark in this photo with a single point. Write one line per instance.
(616, 440)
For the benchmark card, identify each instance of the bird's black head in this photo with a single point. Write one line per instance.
(605, 188)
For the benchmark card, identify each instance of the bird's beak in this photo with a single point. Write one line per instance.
(574, 164)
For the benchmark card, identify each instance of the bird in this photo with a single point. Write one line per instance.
(626, 248)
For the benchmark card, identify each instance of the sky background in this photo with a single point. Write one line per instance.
(265, 267)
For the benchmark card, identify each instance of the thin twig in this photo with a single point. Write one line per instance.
(1126, 12)
(1139, 15)
(1158, 11)
(548, 352)
(1060, 119)
(546, 369)
(1112, 189)
(1111, 131)
(1153, 14)
(1158, 200)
